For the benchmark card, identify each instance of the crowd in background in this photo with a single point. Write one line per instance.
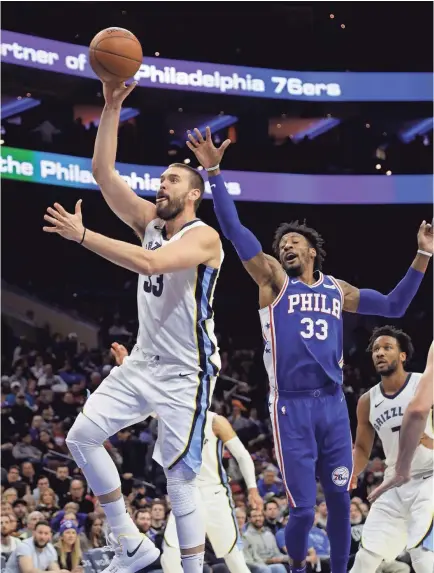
(355, 147)
(45, 496)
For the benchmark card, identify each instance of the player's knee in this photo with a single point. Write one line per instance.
(82, 437)
(366, 561)
(302, 517)
(181, 487)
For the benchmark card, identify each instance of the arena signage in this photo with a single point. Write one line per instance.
(60, 57)
(70, 171)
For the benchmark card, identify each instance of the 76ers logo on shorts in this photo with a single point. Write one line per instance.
(340, 476)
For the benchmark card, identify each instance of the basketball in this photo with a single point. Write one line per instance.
(115, 54)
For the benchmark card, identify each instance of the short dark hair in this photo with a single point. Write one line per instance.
(404, 341)
(313, 238)
(272, 500)
(196, 179)
(42, 522)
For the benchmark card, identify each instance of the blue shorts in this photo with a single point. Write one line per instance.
(312, 439)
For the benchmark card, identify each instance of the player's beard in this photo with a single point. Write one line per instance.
(391, 369)
(294, 271)
(171, 209)
(40, 545)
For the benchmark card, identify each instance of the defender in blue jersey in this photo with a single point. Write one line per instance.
(301, 317)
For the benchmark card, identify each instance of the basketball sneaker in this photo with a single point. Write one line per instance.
(131, 553)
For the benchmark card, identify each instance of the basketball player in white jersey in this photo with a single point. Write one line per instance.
(401, 518)
(216, 496)
(412, 429)
(172, 369)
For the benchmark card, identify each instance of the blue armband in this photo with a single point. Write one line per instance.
(244, 241)
(396, 302)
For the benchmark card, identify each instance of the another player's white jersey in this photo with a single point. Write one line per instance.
(212, 472)
(175, 310)
(386, 413)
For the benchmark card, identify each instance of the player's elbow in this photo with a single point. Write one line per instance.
(100, 172)
(146, 266)
(395, 310)
(418, 410)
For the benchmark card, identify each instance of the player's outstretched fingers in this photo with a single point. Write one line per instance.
(198, 135)
(193, 140)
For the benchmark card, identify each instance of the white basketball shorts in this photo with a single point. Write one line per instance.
(401, 518)
(144, 384)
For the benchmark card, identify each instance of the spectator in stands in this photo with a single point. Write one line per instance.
(37, 425)
(93, 537)
(67, 408)
(21, 511)
(241, 515)
(77, 494)
(272, 516)
(10, 495)
(261, 548)
(32, 519)
(158, 519)
(14, 480)
(47, 503)
(61, 482)
(38, 368)
(142, 518)
(21, 411)
(28, 474)
(269, 483)
(237, 420)
(24, 450)
(69, 548)
(43, 484)
(321, 510)
(8, 543)
(49, 379)
(35, 553)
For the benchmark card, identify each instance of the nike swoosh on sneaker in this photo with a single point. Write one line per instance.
(183, 375)
(135, 550)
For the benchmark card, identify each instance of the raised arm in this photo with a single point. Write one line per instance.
(394, 304)
(224, 431)
(200, 245)
(364, 437)
(412, 428)
(133, 210)
(265, 270)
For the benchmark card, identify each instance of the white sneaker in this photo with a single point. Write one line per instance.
(131, 553)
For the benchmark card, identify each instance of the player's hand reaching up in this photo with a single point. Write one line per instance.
(425, 237)
(115, 93)
(205, 151)
(67, 225)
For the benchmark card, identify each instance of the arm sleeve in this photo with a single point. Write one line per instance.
(244, 241)
(247, 467)
(396, 302)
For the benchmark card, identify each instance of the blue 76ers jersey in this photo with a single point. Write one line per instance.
(302, 330)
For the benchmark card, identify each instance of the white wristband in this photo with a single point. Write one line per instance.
(212, 168)
(424, 253)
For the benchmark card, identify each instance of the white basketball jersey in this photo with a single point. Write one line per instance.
(212, 471)
(176, 320)
(386, 413)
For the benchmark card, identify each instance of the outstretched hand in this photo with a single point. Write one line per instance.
(115, 93)
(425, 237)
(205, 151)
(67, 225)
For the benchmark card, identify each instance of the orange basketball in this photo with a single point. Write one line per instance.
(115, 54)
